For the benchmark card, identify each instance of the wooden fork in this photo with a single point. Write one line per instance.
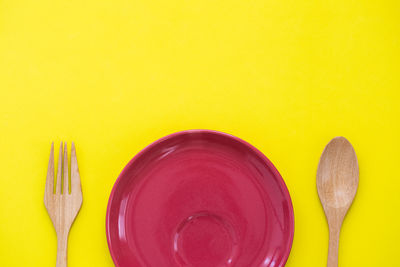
(62, 205)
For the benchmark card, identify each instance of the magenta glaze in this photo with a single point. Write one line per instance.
(199, 198)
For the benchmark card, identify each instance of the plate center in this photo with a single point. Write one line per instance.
(204, 240)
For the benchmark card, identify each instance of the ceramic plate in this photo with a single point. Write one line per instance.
(199, 198)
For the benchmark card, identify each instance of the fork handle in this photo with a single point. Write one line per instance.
(62, 245)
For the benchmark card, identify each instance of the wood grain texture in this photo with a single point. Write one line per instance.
(337, 182)
(62, 205)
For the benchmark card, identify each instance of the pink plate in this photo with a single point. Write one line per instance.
(200, 198)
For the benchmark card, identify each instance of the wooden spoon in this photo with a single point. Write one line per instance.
(337, 182)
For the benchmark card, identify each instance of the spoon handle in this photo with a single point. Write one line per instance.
(333, 253)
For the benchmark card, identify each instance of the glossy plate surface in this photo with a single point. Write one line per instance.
(199, 198)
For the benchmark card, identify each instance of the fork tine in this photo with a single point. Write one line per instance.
(75, 178)
(59, 168)
(49, 189)
(65, 189)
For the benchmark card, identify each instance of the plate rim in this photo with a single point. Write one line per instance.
(204, 131)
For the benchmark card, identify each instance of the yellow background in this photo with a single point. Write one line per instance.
(113, 76)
